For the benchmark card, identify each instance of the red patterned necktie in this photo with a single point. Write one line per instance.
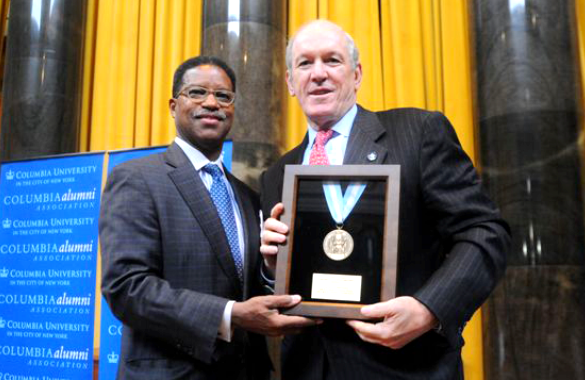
(318, 155)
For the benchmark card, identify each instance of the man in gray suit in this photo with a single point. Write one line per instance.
(180, 248)
(452, 241)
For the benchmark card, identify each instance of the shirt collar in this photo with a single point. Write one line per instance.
(197, 158)
(342, 127)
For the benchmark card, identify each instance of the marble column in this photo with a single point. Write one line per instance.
(530, 112)
(42, 78)
(250, 35)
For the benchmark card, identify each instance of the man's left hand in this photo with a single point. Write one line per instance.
(405, 319)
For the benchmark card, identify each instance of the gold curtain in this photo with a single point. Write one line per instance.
(414, 53)
(132, 50)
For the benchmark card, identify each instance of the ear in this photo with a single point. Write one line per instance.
(358, 76)
(172, 106)
(289, 83)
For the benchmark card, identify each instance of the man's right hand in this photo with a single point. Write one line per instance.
(273, 234)
(260, 315)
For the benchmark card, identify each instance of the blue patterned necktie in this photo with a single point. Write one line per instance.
(221, 199)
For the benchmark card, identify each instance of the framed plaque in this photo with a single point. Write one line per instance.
(341, 252)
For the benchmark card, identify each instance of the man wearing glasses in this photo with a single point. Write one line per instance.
(180, 247)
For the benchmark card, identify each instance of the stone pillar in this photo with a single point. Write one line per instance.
(250, 35)
(42, 79)
(530, 112)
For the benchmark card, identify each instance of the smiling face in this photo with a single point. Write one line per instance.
(204, 124)
(322, 76)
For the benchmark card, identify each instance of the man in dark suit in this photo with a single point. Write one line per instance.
(180, 248)
(452, 241)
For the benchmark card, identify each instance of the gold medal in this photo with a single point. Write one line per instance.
(338, 244)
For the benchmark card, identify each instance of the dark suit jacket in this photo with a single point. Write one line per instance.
(168, 272)
(451, 251)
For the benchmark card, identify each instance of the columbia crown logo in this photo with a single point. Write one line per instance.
(6, 223)
(113, 358)
(2, 323)
(9, 175)
(3, 273)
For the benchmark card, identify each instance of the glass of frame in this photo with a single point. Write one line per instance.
(335, 274)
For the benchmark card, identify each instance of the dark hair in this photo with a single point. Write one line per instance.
(199, 61)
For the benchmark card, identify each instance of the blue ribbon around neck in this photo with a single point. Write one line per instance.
(340, 205)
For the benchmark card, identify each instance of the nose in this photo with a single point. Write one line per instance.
(210, 101)
(318, 72)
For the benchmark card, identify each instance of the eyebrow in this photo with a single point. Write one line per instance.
(207, 88)
(326, 55)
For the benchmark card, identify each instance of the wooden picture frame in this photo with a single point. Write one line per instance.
(331, 287)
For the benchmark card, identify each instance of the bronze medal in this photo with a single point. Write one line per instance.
(338, 244)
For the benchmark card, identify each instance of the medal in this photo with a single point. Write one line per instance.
(338, 244)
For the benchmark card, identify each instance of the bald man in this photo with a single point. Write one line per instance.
(452, 241)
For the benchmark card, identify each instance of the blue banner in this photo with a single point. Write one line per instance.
(48, 250)
(111, 328)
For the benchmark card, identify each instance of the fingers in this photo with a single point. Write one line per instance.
(268, 249)
(275, 302)
(277, 210)
(270, 238)
(366, 331)
(358, 328)
(262, 316)
(378, 333)
(405, 319)
(378, 310)
(289, 324)
(297, 322)
(275, 226)
(273, 234)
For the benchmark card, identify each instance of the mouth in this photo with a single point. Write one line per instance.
(320, 91)
(210, 116)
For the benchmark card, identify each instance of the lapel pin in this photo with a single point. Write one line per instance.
(372, 156)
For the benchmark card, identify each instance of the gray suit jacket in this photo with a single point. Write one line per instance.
(168, 272)
(451, 251)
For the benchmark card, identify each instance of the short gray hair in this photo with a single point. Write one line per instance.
(352, 50)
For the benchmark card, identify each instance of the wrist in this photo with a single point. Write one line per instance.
(237, 313)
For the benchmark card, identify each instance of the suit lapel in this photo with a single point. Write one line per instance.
(199, 202)
(362, 148)
(299, 151)
(251, 229)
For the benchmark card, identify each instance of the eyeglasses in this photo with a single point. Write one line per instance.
(198, 94)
